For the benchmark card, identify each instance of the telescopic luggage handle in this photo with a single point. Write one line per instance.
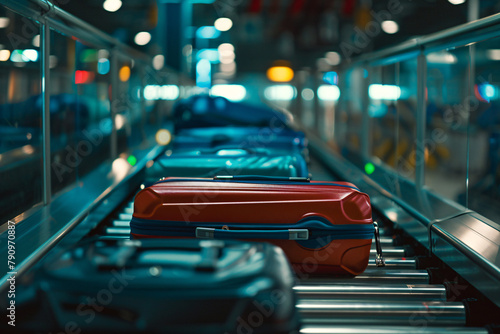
(261, 178)
(289, 234)
(379, 259)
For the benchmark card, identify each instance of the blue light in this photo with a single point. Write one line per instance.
(203, 74)
(486, 92)
(489, 90)
(212, 55)
(207, 32)
(103, 66)
(331, 78)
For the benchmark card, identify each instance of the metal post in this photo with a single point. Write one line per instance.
(45, 52)
(421, 120)
(114, 103)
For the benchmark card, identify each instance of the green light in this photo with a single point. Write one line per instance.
(132, 160)
(369, 168)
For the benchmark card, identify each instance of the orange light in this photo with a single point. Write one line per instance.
(124, 73)
(280, 74)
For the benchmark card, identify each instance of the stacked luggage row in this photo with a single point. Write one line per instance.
(231, 234)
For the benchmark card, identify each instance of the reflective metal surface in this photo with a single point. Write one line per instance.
(373, 292)
(470, 244)
(327, 329)
(382, 313)
(376, 276)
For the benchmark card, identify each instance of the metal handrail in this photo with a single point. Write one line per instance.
(59, 19)
(423, 41)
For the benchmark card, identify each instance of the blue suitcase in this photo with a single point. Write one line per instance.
(170, 286)
(283, 140)
(206, 111)
(200, 163)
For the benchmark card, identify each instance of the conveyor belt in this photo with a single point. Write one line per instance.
(394, 299)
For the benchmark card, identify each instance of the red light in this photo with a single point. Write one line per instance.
(84, 77)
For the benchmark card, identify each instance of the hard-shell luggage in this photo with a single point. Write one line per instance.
(171, 286)
(209, 163)
(279, 139)
(323, 227)
(201, 111)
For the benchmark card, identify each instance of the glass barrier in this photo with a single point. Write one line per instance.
(349, 115)
(20, 117)
(446, 143)
(484, 131)
(406, 118)
(80, 109)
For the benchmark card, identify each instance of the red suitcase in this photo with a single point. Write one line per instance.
(323, 227)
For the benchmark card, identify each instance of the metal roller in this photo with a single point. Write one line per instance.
(113, 237)
(372, 293)
(385, 242)
(389, 252)
(121, 223)
(392, 263)
(117, 231)
(128, 210)
(125, 216)
(375, 276)
(326, 329)
(382, 313)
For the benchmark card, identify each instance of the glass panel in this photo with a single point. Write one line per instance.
(80, 109)
(484, 132)
(348, 119)
(383, 93)
(406, 118)
(447, 122)
(20, 117)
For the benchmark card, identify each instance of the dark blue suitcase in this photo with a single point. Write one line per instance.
(170, 286)
(210, 163)
(283, 140)
(201, 111)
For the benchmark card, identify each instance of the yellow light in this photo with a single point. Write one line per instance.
(280, 74)
(4, 55)
(124, 73)
(163, 137)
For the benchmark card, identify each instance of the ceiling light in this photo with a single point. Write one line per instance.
(390, 27)
(456, 2)
(112, 5)
(4, 22)
(142, 38)
(223, 24)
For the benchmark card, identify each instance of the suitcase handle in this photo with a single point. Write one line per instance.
(289, 234)
(261, 178)
(379, 259)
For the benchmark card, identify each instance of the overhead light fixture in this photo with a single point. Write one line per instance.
(456, 2)
(36, 41)
(4, 55)
(223, 24)
(442, 57)
(328, 93)
(235, 93)
(142, 38)
(207, 32)
(493, 54)
(333, 58)
(158, 62)
(390, 27)
(280, 74)
(112, 5)
(280, 93)
(4, 22)
(124, 73)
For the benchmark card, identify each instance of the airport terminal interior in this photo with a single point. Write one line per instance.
(250, 166)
